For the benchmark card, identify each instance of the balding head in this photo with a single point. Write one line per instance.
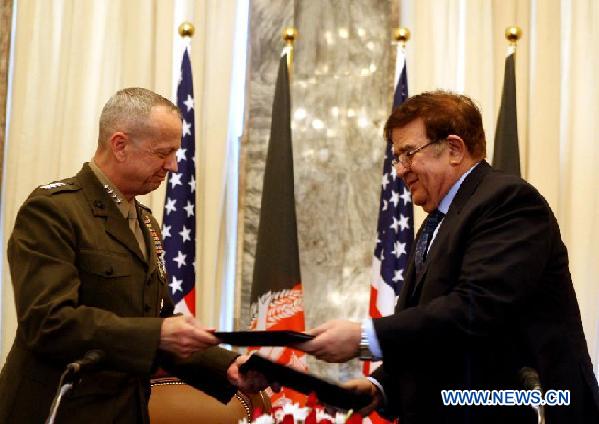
(140, 133)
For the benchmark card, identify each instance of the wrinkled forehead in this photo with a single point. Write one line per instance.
(161, 131)
(163, 122)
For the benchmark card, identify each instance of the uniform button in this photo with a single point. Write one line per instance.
(149, 282)
(99, 204)
(109, 271)
(147, 307)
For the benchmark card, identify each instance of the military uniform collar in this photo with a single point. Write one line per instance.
(116, 225)
(126, 208)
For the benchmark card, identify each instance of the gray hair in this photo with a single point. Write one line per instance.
(128, 110)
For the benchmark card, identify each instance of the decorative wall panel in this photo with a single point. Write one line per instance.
(341, 93)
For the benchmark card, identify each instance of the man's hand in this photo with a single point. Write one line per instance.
(366, 387)
(183, 335)
(249, 382)
(335, 341)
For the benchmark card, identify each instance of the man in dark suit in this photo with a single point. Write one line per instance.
(86, 266)
(487, 291)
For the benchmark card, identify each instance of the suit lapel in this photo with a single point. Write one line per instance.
(467, 189)
(102, 205)
(409, 277)
(408, 287)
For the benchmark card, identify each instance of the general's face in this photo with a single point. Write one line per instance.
(152, 155)
(427, 173)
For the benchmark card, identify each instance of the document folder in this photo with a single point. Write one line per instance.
(328, 393)
(262, 338)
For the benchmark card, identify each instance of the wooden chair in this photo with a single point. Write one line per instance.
(173, 401)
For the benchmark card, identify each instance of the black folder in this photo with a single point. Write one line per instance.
(328, 393)
(262, 338)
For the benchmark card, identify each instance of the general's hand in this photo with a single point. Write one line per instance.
(366, 387)
(251, 381)
(183, 335)
(335, 341)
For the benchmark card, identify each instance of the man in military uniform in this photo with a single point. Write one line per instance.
(87, 274)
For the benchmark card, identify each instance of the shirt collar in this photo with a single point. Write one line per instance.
(125, 207)
(446, 201)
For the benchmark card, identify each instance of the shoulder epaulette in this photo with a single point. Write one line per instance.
(58, 187)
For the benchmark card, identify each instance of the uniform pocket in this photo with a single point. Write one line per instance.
(109, 281)
(105, 264)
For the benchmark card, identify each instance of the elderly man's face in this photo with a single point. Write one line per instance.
(153, 154)
(427, 174)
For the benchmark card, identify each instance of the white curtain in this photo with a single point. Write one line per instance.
(70, 57)
(212, 62)
(460, 45)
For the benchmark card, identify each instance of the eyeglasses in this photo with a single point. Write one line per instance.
(405, 158)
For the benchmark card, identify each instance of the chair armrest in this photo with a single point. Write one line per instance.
(173, 401)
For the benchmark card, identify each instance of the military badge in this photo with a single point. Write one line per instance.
(157, 246)
(112, 194)
(52, 185)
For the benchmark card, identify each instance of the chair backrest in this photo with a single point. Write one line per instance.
(173, 401)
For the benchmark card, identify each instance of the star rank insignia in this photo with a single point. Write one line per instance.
(112, 194)
(157, 246)
(52, 185)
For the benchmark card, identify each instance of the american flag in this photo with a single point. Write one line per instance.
(395, 228)
(178, 224)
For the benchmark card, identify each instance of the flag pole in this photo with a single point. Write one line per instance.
(289, 36)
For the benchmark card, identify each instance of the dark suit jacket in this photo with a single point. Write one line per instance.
(495, 295)
(81, 283)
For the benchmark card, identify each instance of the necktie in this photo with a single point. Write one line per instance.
(430, 224)
(136, 229)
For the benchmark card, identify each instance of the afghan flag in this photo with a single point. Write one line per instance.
(277, 296)
(506, 155)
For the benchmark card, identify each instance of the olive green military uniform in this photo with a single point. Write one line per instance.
(81, 282)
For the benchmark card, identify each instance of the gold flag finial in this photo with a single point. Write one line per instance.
(186, 29)
(401, 35)
(513, 34)
(289, 36)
